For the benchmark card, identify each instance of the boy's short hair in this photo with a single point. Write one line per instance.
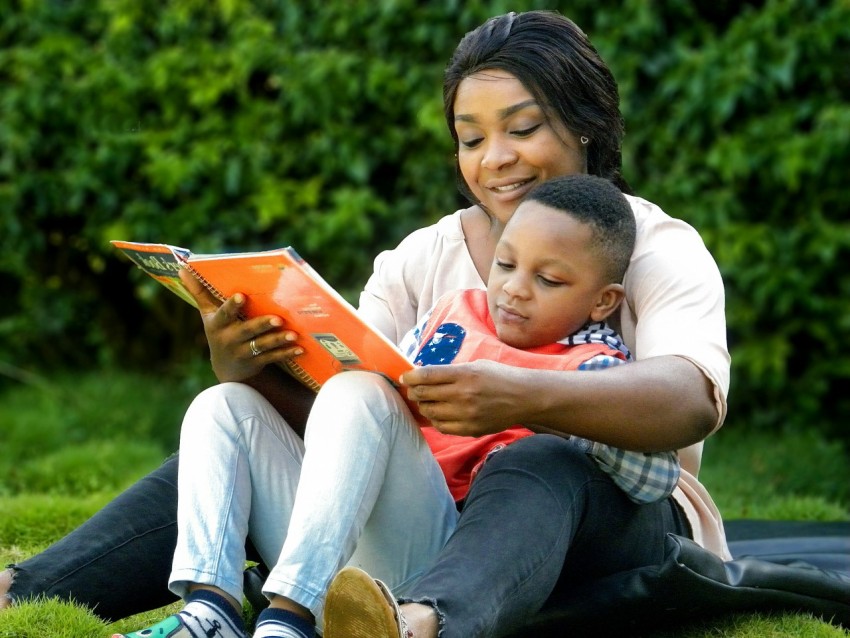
(597, 202)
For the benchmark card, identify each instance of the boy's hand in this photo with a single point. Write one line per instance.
(469, 399)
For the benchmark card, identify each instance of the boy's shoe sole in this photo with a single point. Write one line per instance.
(171, 627)
(357, 606)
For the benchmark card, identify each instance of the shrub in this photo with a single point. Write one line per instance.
(244, 125)
(741, 126)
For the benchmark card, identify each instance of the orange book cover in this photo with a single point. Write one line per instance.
(279, 282)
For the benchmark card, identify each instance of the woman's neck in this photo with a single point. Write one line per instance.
(481, 232)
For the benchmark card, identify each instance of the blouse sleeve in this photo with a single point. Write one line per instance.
(675, 303)
(390, 299)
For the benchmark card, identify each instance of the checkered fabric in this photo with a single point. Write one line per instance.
(644, 477)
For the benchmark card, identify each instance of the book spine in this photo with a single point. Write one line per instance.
(206, 284)
(293, 368)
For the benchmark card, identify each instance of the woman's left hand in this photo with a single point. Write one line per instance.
(469, 399)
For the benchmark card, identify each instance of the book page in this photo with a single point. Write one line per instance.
(160, 261)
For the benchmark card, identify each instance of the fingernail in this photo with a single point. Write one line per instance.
(291, 336)
(238, 298)
(298, 351)
(276, 322)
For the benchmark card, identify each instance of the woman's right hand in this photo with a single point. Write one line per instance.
(239, 349)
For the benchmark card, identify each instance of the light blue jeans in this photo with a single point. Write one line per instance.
(363, 489)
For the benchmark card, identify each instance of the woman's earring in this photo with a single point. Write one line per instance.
(584, 140)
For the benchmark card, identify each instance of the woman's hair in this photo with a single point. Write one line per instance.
(559, 66)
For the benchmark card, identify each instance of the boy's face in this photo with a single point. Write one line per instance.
(545, 282)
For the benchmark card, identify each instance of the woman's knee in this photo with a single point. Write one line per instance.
(543, 463)
(539, 452)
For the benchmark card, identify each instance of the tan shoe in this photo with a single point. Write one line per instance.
(358, 606)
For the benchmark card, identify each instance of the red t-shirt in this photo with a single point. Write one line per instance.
(459, 330)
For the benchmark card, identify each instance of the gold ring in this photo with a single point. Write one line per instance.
(254, 349)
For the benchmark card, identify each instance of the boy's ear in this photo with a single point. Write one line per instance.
(607, 302)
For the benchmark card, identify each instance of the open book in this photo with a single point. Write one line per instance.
(279, 282)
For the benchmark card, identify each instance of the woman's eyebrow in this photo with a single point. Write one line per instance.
(502, 113)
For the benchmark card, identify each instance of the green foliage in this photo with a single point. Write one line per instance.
(54, 619)
(89, 432)
(51, 619)
(777, 476)
(759, 626)
(741, 126)
(216, 126)
(241, 125)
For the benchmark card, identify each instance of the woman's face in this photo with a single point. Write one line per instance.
(506, 144)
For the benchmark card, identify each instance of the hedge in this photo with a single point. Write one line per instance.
(243, 125)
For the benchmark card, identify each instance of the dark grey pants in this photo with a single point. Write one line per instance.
(118, 561)
(540, 519)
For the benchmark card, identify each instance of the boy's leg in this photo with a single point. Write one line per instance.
(240, 467)
(135, 534)
(240, 462)
(233, 443)
(132, 536)
(369, 482)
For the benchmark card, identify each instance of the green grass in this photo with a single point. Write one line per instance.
(775, 476)
(50, 618)
(70, 445)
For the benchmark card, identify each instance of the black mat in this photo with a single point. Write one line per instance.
(777, 566)
(750, 529)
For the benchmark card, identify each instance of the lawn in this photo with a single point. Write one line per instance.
(72, 443)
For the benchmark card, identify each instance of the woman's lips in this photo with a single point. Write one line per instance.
(513, 186)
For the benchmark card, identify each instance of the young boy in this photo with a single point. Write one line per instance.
(555, 278)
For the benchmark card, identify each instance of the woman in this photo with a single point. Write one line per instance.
(527, 98)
